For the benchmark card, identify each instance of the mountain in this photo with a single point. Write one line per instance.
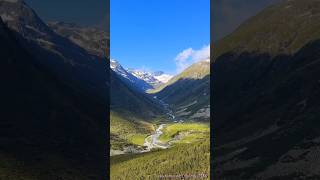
(139, 79)
(93, 39)
(146, 76)
(188, 92)
(128, 99)
(266, 95)
(61, 56)
(153, 79)
(161, 76)
(128, 78)
(132, 112)
(53, 101)
(257, 34)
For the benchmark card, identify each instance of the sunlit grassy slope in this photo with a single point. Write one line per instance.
(281, 28)
(189, 132)
(196, 71)
(126, 130)
(182, 159)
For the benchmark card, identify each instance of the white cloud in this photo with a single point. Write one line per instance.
(190, 56)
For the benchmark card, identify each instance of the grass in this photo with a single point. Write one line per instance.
(138, 139)
(191, 132)
(182, 159)
(274, 30)
(195, 71)
(126, 130)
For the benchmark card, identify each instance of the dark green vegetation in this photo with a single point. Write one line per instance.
(51, 115)
(178, 160)
(131, 114)
(127, 130)
(266, 95)
(188, 92)
(41, 166)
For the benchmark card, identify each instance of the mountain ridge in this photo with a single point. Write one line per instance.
(266, 93)
(258, 31)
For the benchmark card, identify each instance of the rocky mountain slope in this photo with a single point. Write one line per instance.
(53, 101)
(154, 79)
(128, 78)
(66, 59)
(93, 39)
(266, 95)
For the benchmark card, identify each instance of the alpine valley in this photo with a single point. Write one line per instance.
(159, 121)
(58, 88)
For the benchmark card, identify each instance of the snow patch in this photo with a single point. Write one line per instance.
(35, 30)
(6, 17)
(164, 78)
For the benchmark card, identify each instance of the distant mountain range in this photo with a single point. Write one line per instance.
(155, 79)
(139, 79)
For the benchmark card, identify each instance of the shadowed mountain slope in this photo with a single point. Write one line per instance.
(188, 92)
(52, 102)
(266, 95)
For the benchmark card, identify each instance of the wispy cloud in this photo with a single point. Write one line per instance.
(189, 56)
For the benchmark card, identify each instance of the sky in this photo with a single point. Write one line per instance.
(153, 35)
(227, 15)
(83, 12)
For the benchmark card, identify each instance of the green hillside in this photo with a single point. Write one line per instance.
(188, 93)
(178, 160)
(196, 71)
(282, 28)
(187, 132)
(127, 130)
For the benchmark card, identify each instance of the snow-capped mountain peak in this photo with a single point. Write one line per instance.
(116, 67)
(128, 77)
(142, 79)
(153, 78)
(146, 76)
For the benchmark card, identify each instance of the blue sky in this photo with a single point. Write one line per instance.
(159, 34)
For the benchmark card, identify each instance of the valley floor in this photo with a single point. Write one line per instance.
(172, 149)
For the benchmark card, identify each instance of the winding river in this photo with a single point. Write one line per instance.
(152, 141)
